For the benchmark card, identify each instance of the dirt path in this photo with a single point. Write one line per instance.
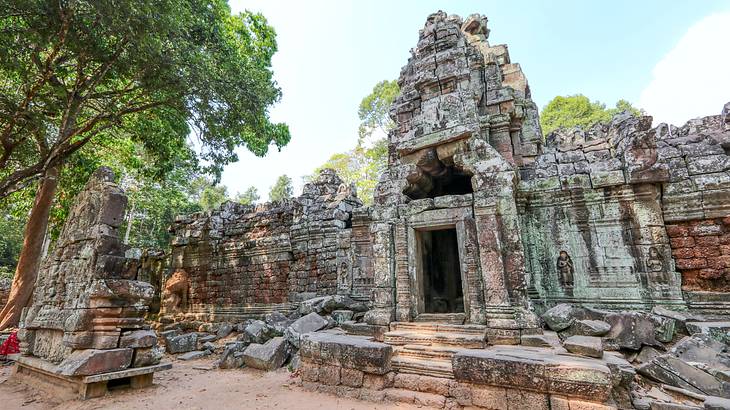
(185, 387)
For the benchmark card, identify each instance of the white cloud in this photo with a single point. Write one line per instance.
(693, 79)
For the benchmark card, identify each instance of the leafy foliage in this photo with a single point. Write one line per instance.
(249, 197)
(74, 71)
(282, 189)
(360, 166)
(374, 108)
(579, 111)
(363, 164)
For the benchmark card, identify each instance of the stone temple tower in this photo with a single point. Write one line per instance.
(446, 231)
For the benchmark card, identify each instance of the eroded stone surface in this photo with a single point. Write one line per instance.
(88, 305)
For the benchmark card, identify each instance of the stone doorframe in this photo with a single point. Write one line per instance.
(409, 290)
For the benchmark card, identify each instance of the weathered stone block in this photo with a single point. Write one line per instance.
(584, 345)
(91, 361)
(138, 338)
(147, 356)
(354, 352)
(268, 356)
(329, 375)
(351, 377)
(306, 324)
(539, 370)
(182, 343)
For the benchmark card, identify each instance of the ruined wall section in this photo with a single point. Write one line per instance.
(243, 261)
(88, 308)
(625, 214)
(592, 219)
(696, 204)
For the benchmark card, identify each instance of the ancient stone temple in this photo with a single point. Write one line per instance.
(86, 323)
(480, 223)
(245, 261)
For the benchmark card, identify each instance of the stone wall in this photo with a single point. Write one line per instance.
(701, 250)
(243, 261)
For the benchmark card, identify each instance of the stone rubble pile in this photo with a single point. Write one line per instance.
(680, 358)
(262, 344)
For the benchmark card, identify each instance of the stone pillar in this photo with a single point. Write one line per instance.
(383, 308)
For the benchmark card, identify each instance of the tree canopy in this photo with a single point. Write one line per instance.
(579, 111)
(73, 72)
(282, 189)
(374, 109)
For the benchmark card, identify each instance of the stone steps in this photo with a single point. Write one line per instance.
(424, 360)
(425, 327)
(448, 318)
(426, 348)
(466, 341)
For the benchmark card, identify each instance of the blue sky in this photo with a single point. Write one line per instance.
(667, 57)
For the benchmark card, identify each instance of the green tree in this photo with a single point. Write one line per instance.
(75, 72)
(282, 189)
(363, 164)
(579, 111)
(374, 109)
(249, 197)
(360, 166)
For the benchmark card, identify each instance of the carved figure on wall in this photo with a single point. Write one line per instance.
(655, 265)
(565, 269)
(175, 294)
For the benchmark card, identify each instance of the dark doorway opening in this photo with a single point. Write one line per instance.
(441, 273)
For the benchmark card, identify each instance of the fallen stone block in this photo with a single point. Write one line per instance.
(559, 317)
(680, 318)
(268, 356)
(138, 338)
(589, 328)
(590, 346)
(147, 356)
(536, 341)
(716, 403)
(182, 343)
(257, 332)
(306, 324)
(196, 354)
(719, 331)
(90, 361)
(630, 330)
(673, 371)
(342, 316)
(232, 356)
(278, 322)
(224, 330)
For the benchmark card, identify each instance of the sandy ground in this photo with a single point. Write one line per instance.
(187, 386)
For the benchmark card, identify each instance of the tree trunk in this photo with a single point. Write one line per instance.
(129, 224)
(30, 256)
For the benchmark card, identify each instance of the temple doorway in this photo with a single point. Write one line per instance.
(440, 272)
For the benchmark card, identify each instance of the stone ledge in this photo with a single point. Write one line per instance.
(535, 369)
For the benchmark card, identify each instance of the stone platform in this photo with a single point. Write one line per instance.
(46, 376)
(495, 377)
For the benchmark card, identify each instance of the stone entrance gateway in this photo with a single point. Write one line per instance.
(438, 272)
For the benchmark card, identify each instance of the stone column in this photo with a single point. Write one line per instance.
(383, 309)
